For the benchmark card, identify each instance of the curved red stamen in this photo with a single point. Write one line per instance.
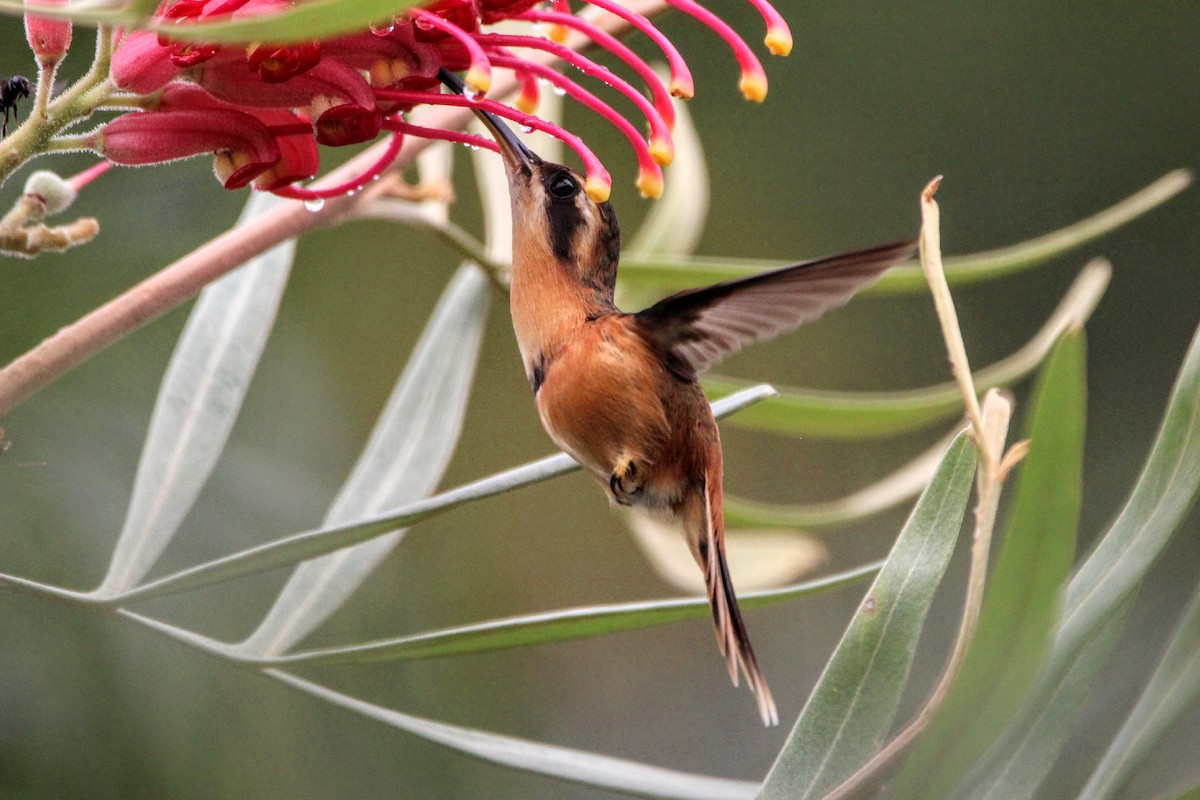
(754, 81)
(779, 37)
(352, 185)
(660, 134)
(662, 98)
(458, 137)
(479, 74)
(599, 181)
(682, 84)
(648, 168)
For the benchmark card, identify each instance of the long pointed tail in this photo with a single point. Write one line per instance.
(705, 529)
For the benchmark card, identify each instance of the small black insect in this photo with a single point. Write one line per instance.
(11, 91)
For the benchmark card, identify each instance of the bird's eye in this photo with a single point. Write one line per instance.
(563, 187)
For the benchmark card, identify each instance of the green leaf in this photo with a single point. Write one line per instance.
(1018, 764)
(312, 19)
(198, 402)
(854, 703)
(1099, 595)
(559, 762)
(562, 624)
(309, 544)
(1172, 689)
(1024, 594)
(404, 459)
(1187, 794)
(663, 275)
(903, 484)
(578, 766)
(94, 12)
(801, 412)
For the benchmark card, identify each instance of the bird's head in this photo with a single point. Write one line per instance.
(553, 214)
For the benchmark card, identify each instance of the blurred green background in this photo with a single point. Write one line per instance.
(1036, 115)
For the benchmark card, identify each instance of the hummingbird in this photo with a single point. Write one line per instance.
(619, 392)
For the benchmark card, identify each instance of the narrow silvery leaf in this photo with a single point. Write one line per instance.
(904, 484)
(1099, 596)
(198, 402)
(1024, 594)
(801, 412)
(404, 459)
(665, 274)
(1173, 689)
(579, 766)
(307, 545)
(853, 706)
(561, 625)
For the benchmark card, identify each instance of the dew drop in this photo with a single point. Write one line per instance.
(474, 147)
(470, 94)
(558, 90)
(314, 203)
(526, 129)
(382, 28)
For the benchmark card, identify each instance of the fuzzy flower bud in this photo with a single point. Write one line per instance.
(56, 193)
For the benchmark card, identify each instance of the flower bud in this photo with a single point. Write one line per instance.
(56, 193)
(48, 37)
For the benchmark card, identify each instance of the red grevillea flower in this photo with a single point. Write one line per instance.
(269, 105)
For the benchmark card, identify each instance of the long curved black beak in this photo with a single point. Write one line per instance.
(516, 154)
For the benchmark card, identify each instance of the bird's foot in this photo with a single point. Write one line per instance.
(624, 482)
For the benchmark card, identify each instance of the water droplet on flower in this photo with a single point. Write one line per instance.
(473, 147)
(382, 28)
(526, 129)
(558, 90)
(314, 203)
(470, 94)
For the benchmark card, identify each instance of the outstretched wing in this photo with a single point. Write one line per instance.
(703, 326)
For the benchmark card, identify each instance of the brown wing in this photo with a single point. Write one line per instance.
(703, 326)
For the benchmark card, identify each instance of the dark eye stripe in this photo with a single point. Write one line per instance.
(564, 220)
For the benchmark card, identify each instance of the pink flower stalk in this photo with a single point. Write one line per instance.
(276, 102)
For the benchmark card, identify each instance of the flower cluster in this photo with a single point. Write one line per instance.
(265, 108)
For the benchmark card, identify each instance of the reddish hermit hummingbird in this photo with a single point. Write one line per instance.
(620, 392)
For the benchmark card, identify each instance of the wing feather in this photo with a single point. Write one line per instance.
(703, 326)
